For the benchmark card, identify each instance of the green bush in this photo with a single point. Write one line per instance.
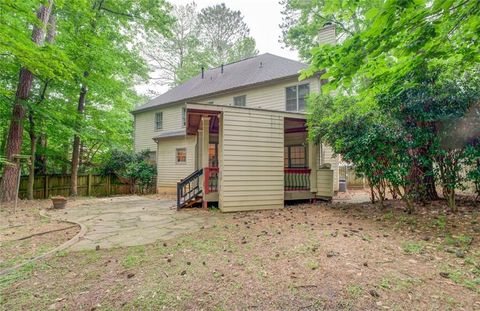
(137, 168)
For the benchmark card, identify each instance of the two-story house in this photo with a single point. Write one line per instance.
(237, 135)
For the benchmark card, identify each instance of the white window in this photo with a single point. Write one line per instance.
(240, 101)
(184, 116)
(158, 121)
(296, 96)
(181, 156)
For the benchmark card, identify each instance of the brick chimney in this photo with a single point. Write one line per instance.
(327, 34)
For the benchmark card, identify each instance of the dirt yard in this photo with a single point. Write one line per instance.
(337, 256)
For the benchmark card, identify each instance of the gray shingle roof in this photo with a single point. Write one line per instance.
(255, 70)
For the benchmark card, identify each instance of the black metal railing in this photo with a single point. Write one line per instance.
(188, 188)
(297, 179)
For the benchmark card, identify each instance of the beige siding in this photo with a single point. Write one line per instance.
(265, 97)
(326, 155)
(325, 183)
(145, 126)
(170, 172)
(251, 162)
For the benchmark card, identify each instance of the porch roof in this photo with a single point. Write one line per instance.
(294, 121)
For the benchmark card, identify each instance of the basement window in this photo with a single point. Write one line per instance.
(181, 156)
(240, 101)
(296, 96)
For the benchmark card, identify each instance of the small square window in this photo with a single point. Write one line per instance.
(240, 101)
(181, 155)
(158, 120)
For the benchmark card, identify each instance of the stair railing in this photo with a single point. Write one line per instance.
(188, 188)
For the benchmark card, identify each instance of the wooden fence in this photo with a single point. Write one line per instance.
(87, 185)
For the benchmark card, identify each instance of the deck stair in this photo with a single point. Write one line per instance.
(189, 191)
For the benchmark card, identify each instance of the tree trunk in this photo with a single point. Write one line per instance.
(8, 187)
(41, 159)
(33, 150)
(430, 190)
(76, 142)
(31, 117)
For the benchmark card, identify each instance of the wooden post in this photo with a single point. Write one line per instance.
(312, 164)
(46, 185)
(89, 185)
(205, 146)
(109, 176)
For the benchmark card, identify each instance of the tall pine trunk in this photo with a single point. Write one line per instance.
(31, 116)
(8, 187)
(76, 141)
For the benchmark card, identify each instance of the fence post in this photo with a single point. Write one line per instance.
(89, 184)
(45, 192)
(109, 177)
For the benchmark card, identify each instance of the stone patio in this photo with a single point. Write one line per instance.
(129, 221)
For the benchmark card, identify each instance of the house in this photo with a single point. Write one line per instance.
(237, 135)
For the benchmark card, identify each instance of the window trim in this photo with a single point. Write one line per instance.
(176, 156)
(244, 99)
(297, 95)
(155, 125)
(184, 116)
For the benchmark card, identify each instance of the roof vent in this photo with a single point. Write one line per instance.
(261, 65)
(203, 72)
(222, 69)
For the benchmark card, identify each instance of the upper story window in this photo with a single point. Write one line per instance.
(240, 101)
(184, 116)
(158, 121)
(296, 97)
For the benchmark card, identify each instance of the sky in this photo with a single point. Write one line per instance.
(263, 17)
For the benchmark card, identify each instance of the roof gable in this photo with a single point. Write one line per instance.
(251, 71)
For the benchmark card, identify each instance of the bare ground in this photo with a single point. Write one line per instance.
(305, 257)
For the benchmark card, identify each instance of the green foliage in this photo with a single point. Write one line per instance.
(407, 89)
(303, 19)
(375, 144)
(135, 167)
(96, 45)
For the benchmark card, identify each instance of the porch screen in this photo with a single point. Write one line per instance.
(295, 156)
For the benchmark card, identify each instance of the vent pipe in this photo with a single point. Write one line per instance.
(222, 69)
(203, 72)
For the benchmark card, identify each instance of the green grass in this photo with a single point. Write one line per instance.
(441, 222)
(354, 290)
(410, 247)
(469, 279)
(135, 256)
(312, 264)
(462, 241)
(21, 273)
(398, 284)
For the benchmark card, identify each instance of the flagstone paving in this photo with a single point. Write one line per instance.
(129, 221)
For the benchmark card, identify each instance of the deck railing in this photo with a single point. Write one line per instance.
(210, 181)
(188, 188)
(297, 179)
